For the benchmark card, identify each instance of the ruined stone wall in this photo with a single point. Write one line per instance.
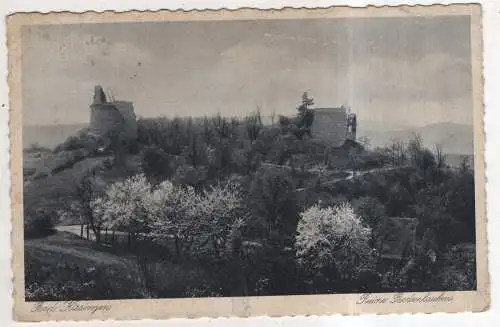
(114, 116)
(104, 118)
(330, 125)
(352, 126)
(126, 109)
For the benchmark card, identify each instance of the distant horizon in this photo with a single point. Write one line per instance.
(455, 138)
(471, 124)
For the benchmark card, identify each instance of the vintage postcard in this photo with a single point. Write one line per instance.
(252, 162)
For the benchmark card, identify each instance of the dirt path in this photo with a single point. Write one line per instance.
(76, 229)
(69, 246)
(350, 176)
(119, 236)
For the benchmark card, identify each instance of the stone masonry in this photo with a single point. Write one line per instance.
(112, 116)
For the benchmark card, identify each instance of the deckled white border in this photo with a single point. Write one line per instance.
(491, 25)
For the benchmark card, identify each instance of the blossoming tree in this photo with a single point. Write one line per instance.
(218, 211)
(126, 206)
(171, 210)
(332, 243)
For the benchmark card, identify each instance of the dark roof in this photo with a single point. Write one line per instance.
(398, 236)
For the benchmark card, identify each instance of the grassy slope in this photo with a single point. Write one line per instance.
(121, 273)
(53, 191)
(57, 190)
(36, 160)
(50, 249)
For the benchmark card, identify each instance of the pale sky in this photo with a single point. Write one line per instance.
(391, 71)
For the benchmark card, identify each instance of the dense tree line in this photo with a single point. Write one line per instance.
(252, 204)
(248, 216)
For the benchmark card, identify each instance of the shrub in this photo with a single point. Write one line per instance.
(246, 159)
(459, 272)
(399, 200)
(278, 151)
(220, 157)
(156, 162)
(107, 164)
(460, 199)
(28, 171)
(133, 147)
(66, 161)
(453, 279)
(66, 281)
(40, 223)
(372, 159)
(370, 210)
(284, 121)
(83, 139)
(272, 200)
(40, 175)
(188, 175)
(266, 139)
(171, 280)
(73, 143)
(35, 148)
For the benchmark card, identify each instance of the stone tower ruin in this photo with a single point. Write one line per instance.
(112, 117)
(352, 126)
(334, 125)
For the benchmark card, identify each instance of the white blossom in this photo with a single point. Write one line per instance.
(125, 204)
(204, 219)
(331, 235)
(171, 207)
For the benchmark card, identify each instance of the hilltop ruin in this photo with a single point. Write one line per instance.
(112, 117)
(335, 125)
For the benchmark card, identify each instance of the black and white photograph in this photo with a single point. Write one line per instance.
(244, 157)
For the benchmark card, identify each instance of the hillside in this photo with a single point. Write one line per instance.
(83, 266)
(454, 138)
(286, 176)
(54, 191)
